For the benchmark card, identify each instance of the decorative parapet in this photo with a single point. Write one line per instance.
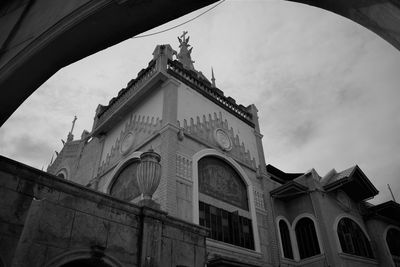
(205, 130)
(104, 112)
(204, 87)
(138, 128)
(183, 167)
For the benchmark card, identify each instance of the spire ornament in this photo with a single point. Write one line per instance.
(70, 135)
(212, 78)
(184, 55)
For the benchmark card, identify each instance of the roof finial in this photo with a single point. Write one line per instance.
(184, 53)
(212, 78)
(70, 135)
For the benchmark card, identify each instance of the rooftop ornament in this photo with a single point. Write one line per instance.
(185, 52)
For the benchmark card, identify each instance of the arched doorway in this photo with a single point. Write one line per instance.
(91, 262)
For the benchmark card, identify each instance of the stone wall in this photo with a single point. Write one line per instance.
(47, 221)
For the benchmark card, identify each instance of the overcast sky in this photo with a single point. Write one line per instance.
(326, 88)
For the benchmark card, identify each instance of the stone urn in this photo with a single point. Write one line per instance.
(149, 173)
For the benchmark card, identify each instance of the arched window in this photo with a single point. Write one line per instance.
(125, 185)
(223, 205)
(285, 239)
(62, 174)
(352, 239)
(393, 242)
(307, 240)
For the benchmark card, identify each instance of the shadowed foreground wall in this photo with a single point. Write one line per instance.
(47, 221)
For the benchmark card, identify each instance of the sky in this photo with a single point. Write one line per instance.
(326, 88)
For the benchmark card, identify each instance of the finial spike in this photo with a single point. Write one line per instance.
(70, 135)
(212, 78)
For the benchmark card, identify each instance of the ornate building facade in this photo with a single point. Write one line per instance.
(214, 174)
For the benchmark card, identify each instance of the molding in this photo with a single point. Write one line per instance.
(212, 152)
(232, 248)
(357, 258)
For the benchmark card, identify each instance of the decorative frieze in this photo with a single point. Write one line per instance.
(214, 130)
(136, 130)
(183, 167)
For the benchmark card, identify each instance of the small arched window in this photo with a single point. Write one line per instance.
(125, 185)
(285, 239)
(307, 240)
(352, 239)
(62, 174)
(393, 242)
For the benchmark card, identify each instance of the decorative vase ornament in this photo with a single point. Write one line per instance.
(149, 173)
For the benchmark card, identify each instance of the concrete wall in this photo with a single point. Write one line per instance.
(46, 221)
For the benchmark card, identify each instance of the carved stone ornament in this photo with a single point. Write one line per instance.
(222, 139)
(127, 143)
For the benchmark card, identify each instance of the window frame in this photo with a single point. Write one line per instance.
(361, 226)
(292, 245)
(250, 194)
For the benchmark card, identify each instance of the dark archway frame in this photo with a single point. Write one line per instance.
(108, 22)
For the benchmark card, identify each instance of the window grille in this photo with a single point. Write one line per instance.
(307, 240)
(352, 239)
(225, 226)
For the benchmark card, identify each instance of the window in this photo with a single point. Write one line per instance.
(222, 196)
(285, 239)
(125, 185)
(221, 181)
(228, 227)
(307, 240)
(393, 242)
(352, 239)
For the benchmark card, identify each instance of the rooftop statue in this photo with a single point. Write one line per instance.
(185, 52)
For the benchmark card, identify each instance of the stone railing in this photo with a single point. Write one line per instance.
(214, 94)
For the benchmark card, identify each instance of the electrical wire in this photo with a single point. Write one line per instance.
(176, 26)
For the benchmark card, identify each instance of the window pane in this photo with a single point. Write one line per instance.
(307, 240)
(352, 239)
(228, 227)
(285, 238)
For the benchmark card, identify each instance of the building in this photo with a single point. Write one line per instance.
(214, 174)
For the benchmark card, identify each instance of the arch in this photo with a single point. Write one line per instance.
(122, 164)
(195, 193)
(317, 250)
(356, 220)
(63, 173)
(351, 236)
(83, 256)
(393, 244)
(280, 219)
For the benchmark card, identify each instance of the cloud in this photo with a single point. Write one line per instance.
(29, 150)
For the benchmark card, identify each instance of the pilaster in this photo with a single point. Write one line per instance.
(169, 147)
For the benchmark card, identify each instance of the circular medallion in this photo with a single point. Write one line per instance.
(223, 139)
(127, 143)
